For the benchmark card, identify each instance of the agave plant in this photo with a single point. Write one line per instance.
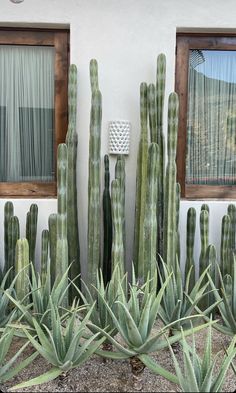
(179, 300)
(6, 311)
(134, 319)
(109, 294)
(64, 346)
(226, 298)
(7, 371)
(41, 294)
(198, 374)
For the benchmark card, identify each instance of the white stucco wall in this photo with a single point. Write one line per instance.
(125, 36)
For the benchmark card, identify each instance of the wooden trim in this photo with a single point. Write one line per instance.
(195, 191)
(184, 43)
(28, 189)
(59, 39)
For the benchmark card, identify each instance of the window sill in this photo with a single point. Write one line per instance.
(217, 192)
(28, 190)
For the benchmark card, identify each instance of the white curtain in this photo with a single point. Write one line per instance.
(26, 113)
(211, 122)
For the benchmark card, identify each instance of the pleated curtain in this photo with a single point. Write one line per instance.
(26, 113)
(211, 118)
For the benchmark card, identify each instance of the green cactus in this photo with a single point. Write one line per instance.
(178, 192)
(72, 94)
(117, 232)
(52, 225)
(224, 248)
(141, 186)
(94, 202)
(31, 231)
(204, 234)
(150, 219)
(61, 244)
(152, 110)
(232, 214)
(8, 213)
(22, 269)
(211, 260)
(160, 95)
(107, 224)
(44, 255)
(72, 209)
(205, 207)
(120, 175)
(13, 236)
(170, 188)
(190, 236)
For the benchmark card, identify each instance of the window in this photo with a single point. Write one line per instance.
(206, 84)
(33, 109)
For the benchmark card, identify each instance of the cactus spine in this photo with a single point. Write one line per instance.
(224, 248)
(72, 209)
(44, 255)
(141, 183)
(22, 269)
(107, 224)
(52, 225)
(191, 228)
(94, 204)
(62, 245)
(31, 231)
(150, 220)
(170, 188)
(117, 233)
(160, 94)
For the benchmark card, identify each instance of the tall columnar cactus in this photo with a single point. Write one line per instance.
(62, 245)
(44, 255)
(232, 214)
(94, 202)
(141, 186)
(205, 207)
(8, 213)
(117, 233)
(211, 261)
(160, 95)
(107, 224)
(72, 209)
(152, 111)
(13, 236)
(170, 187)
(52, 226)
(31, 231)
(178, 192)
(120, 175)
(190, 237)
(204, 234)
(22, 269)
(224, 248)
(150, 219)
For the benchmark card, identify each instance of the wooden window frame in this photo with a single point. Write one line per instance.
(59, 39)
(184, 43)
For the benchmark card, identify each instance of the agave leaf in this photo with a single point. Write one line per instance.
(157, 369)
(44, 378)
(112, 355)
(45, 353)
(134, 336)
(11, 373)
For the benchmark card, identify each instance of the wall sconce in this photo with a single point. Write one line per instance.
(119, 136)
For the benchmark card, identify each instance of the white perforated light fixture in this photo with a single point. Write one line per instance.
(119, 136)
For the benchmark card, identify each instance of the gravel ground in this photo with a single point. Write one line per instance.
(97, 375)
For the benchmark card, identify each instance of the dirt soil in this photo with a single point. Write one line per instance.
(97, 375)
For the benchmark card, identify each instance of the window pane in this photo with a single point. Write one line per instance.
(211, 122)
(27, 122)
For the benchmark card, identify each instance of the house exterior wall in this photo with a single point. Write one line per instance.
(125, 36)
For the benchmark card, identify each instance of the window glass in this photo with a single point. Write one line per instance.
(211, 118)
(27, 113)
